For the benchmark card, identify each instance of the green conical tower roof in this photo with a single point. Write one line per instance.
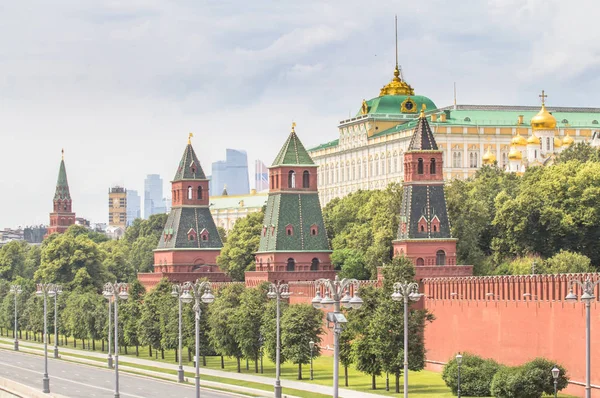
(293, 152)
(62, 185)
(189, 166)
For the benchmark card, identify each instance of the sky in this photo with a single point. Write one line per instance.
(120, 84)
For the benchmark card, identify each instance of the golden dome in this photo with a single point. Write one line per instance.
(518, 140)
(568, 140)
(488, 157)
(397, 86)
(557, 142)
(515, 154)
(533, 140)
(543, 120)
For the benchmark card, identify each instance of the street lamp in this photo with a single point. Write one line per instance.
(45, 290)
(116, 291)
(555, 373)
(278, 291)
(336, 295)
(588, 295)
(16, 290)
(108, 297)
(406, 292)
(57, 291)
(312, 346)
(197, 296)
(177, 291)
(458, 362)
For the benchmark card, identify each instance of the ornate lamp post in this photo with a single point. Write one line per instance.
(177, 292)
(336, 293)
(587, 297)
(16, 290)
(109, 358)
(278, 291)
(312, 347)
(45, 290)
(555, 374)
(458, 362)
(197, 296)
(57, 290)
(116, 291)
(406, 292)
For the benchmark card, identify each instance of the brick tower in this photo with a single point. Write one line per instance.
(190, 243)
(424, 230)
(62, 216)
(293, 242)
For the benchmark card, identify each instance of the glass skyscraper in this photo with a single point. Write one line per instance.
(134, 206)
(261, 176)
(153, 195)
(231, 173)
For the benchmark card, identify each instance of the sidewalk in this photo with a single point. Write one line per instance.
(123, 361)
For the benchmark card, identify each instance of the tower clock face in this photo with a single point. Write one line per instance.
(409, 105)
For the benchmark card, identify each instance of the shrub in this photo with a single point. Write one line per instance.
(540, 370)
(476, 375)
(531, 380)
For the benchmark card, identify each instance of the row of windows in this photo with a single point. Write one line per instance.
(190, 194)
(440, 259)
(291, 182)
(332, 175)
(291, 264)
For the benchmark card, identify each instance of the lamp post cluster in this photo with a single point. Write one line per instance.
(458, 362)
(57, 291)
(278, 291)
(177, 292)
(114, 292)
(16, 290)
(46, 290)
(337, 294)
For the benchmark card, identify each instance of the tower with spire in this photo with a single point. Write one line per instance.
(424, 231)
(62, 215)
(190, 243)
(293, 241)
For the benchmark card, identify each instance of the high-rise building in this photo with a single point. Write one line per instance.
(134, 206)
(261, 176)
(231, 172)
(62, 216)
(117, 207)
(153, 195)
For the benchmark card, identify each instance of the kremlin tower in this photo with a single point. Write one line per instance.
(62, 216)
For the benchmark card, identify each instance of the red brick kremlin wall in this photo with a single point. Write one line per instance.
(491, 317)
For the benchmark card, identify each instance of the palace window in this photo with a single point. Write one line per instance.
(456, 159)
(473, 159)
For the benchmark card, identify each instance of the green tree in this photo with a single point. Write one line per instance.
(300, 324)
(567, 261)
(352, 264)
(130, 312)
(79, 230)
(269, 328)
(581, 152)
(221, 333)
(246, 322)
(116, 260)
(12, 259)
(150, 330)
(237, 255)
(141, 256)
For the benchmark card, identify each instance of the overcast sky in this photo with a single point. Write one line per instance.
(119, 84)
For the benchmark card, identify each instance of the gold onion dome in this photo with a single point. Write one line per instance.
(543, 120)
(515, 154)
(488, 157)
(533, 140)
(568, 140)
(557, 142)
(397, 86)
(518, 140)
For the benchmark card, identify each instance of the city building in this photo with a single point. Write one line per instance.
(231, 173)
(153, 196)
(190, 243)
(134, 206)
(8, 235)
(117, 207)
(62, 216)
(35, 234)
(369, 151)
(261, 176)
(293, 241)
(227, 209)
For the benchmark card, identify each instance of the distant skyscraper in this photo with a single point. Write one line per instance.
(233, 172)
(134, 206)
(153, 195)
(261, 176)
(117, 207)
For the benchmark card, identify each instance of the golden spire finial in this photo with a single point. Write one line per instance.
(293, 127)
(423, 107)
(190, 135)
(543, 96)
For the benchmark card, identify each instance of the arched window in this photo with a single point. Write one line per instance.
(190, 192)
(547, 143)
(314, 264)
(420, 261)
(440, 257)
(291, 179)
(420, 166)
(432, 166)
(200, 192)
(422, 228)
(305, 179)
(435, 228)
(291, 264)
(191, 236)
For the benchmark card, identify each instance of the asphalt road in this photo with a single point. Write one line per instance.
(76, 380)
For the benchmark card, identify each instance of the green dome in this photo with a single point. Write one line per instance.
(392, 104)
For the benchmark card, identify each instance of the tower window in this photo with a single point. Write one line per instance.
(440, 257)
(314, 230)
(291, 264)
(432, 166)
(200, 192)
(291, 179)
(289, 230)
(305, 179)
(314, 264)
(420, 261)
(190, 192)
(420, 166)
(422, 228)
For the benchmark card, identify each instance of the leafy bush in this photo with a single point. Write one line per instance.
(540, 370)
(531, 380)
(476, 375)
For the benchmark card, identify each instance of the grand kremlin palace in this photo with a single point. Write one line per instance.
(369, 151)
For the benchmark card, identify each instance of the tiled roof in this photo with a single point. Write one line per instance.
(423, 201)
(330, 144)
(300, 211)
(183, 219)
(292, 153)
(236, 201)
(189, 166)
(422, 139)
(390, 104)
(62, 185)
